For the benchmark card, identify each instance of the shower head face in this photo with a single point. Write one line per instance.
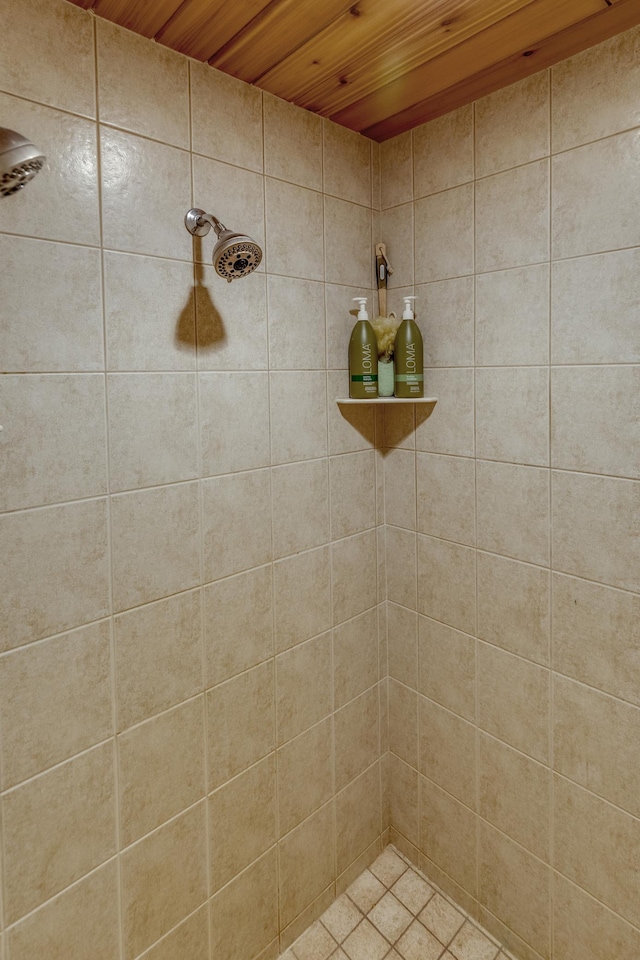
(20, 161)
(235, 255)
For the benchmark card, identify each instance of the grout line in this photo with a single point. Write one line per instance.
(551, 718)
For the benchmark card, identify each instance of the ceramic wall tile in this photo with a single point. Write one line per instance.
(443, 152)
(142, 87)
(235, 643)
(64, 289)
(158, 651)
(591, 221)
(55, 570)
(217, 100)
(62, 204)
(347, 164)
(152, 429)
(508, 334)
(140, 219)
(57, 43)
(155, 543)
(37, 685)
(54, 439)
(396, 170)
(292, 143)
(512, 125)
(234, 421)
(580, 111)
(593, 309)
(444, 234)
(512, 218)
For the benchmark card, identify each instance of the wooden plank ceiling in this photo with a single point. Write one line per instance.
(377, 66)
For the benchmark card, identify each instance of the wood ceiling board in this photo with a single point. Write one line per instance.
(520, 31)
(199, 28)
(403, 50)
(280, 29)
(367, 29)
(624, 15)
(138, 15)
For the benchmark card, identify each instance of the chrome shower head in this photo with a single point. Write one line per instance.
(234, 255)
(19, 161)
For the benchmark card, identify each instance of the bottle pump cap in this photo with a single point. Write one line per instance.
(408, 308)
(362, 312)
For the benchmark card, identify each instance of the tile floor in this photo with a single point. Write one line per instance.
(391, 911)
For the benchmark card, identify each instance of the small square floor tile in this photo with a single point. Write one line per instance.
(316, 943)
(418, 944)
(365, 943)
(341, 918)
(390, 917)
(412, 891)
(388, 867)
(365, 891)
(471, 944)
(441, 919)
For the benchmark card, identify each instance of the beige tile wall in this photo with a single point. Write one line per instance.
(513, 512)
(192, 689)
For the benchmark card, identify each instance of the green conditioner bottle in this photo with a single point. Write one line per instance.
(409, 378)
(363, 357)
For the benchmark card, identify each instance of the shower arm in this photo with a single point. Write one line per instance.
(198, 223)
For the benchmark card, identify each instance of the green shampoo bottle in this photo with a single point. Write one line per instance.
(409, 377)
(363, 357)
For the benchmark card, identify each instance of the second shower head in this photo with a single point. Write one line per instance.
(234, 255)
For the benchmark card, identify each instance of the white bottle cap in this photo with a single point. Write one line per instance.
(408, 309)
(362, 312)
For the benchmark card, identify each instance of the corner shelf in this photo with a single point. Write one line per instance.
(389, 400)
